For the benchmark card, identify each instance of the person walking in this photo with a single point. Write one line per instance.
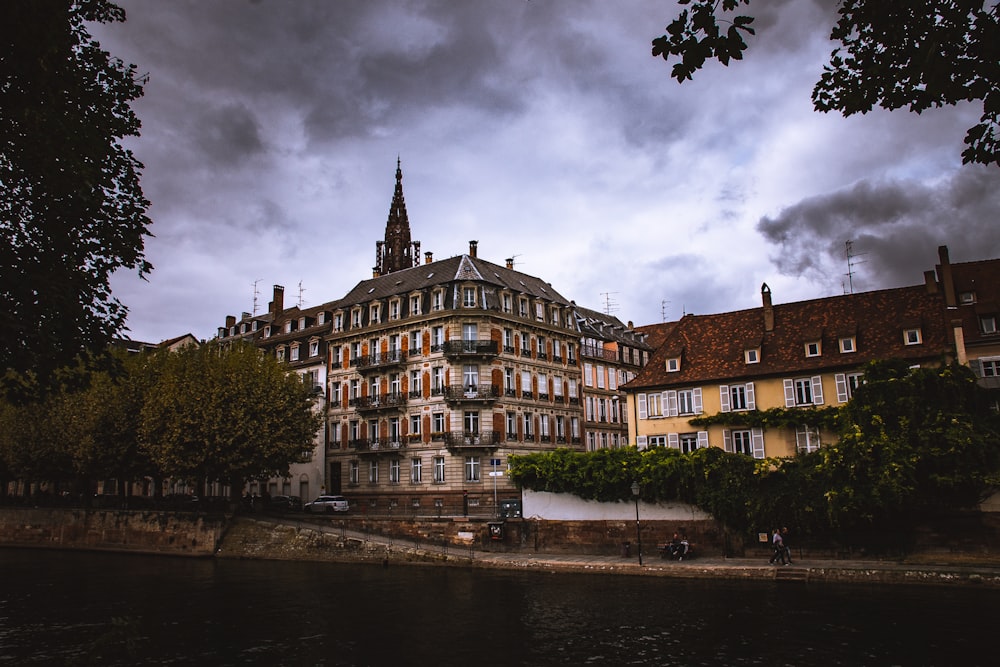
(784, 544)
(779, 547)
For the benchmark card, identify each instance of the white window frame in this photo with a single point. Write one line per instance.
(848, 345)
(912, 336)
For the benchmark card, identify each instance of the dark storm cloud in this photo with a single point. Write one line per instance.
(894, 226)
(227, 135)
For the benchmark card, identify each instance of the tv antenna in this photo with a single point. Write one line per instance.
(663, 310)
(610, 305)
(851, 261)
(510, 260)
(256, 293)
(302, 291)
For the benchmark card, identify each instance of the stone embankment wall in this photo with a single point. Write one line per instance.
(136, 531)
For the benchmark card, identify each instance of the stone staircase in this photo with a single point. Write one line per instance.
(791, 573)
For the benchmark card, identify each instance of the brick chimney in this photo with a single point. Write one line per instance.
(278, 301)
(472, 248)
(428, 257)
(765, 294)
(947, 282)
(230, 321)
(510, 263)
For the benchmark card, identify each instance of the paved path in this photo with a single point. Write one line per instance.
(984, 572)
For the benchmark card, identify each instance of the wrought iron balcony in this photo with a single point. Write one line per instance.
(472, 440)
(598, 353)
(380, 445)
(380, 361)
(391, 401)
(471, 348)
(472, 392)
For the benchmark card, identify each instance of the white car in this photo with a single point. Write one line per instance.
(328, 504)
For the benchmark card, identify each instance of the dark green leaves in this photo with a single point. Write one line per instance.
(695, 37)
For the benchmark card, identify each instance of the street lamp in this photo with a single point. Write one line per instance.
(638, 534)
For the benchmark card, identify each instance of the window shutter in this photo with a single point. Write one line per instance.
(801, 438)
(751, 400)
(696, 399)
(724, 398)
(977, 367)
(789, 393)
(702, 439)
(673, 440)
(640, 442)
(757, 439)
(642, 406)
(817, 383)
(670, 401)
(727, 440)
(841, 380)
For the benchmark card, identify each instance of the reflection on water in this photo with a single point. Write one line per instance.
(81, 608)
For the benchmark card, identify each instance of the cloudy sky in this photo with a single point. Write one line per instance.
(545, 130)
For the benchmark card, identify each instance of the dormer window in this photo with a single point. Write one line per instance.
(523, 307)
(468, 297)
(847, 345)
(267, 331)
(438, 301)
(288, 326)
(394, 310)
(415, 305)
(373, 313)
(752, 355)
(912, 337)
(813, 348)
(673, 365)
(356, 318)
(294, 354)
(321, 317)
(255, 324)
(338, 322)
(302, 323)
(967, 297)
(539, 312)
(313, 348)
(988, 324)
(507, 307)
(280, 353)
(243, 328)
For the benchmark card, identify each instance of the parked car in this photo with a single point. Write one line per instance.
(328, 504)
(285, 504)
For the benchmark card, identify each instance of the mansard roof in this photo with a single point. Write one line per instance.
(605, 327)
(462, 268)
(712, 348)
(977, 294)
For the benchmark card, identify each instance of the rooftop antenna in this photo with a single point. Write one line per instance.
(610, 305)
(301, 292)
(663, 309)
(256, 293)
(512, 259)
(851, 261)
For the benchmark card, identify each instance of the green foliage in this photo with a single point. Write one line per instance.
(913, 442)
(72, 211)
(894, 53)
(827, 418)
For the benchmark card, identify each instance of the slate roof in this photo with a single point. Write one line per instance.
(712, 347)
(983, 280)
(601, 326)
(447, 271)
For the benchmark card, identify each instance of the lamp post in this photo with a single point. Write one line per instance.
(638, 534)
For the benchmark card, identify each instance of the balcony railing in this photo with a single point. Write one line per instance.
(380, 445)
(472, 440)
(473, 392)
(381, 360)
(471, 348)
(383, 402)
(598, 353)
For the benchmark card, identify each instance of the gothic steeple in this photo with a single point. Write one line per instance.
(397, 252)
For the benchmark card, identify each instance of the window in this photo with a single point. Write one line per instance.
(415, 305)
(394, 471)
(742, 442)
(394, 309)
(437, 422)
(415, 384)
(688, 442)
(752, 355)
(847, 344)
(354, 430)
(471, 422)
(437, 301)
(525, 345)
(600, 377)
(526, 384)
(313, 348)
(988, 324)
(335, 394)
(508, 341)
(394, 347)
(990, 367)
(557, 387)
(523, 307)
(543, 386)
(571, 353)
(437, 339)
(803, 391)
(572, 389)
(468, 297)
(846, 384)
(416, 342)
(654, 405)
(394, 432)
(355, 389)
(373, 313)
(528, 426)
(416, 470)
(506, 304)
(439, 470)
(294, 352)
(281, 353)
(806, 438)
(415, 424)
(437, 380)
(353, 474)
(356, 318)
(373, 472)
(967, 297)
(539, 311)
(540, 347)
(511, 425)
(338, 322)
(737, 397)
(673, 365)
(471, 468)
(588, 374)
(911, 337)
(813, 348)
(288, 327)
(688, 402)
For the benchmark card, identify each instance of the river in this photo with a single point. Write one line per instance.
(71, 608)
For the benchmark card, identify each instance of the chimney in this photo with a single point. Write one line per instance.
(472, 248)
(765, 293)
(246, 315)
(510, 263)
(930, 283)
(278, 301)
(428, 257)
(947, 282)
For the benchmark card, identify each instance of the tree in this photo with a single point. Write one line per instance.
(72, 211)
(228, 414)
(893, 54)
(914, 442)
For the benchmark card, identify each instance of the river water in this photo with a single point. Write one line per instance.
(67, 608)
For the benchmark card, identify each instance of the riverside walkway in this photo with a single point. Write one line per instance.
(927, 569)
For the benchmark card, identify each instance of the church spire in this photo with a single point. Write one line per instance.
(397, 252)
